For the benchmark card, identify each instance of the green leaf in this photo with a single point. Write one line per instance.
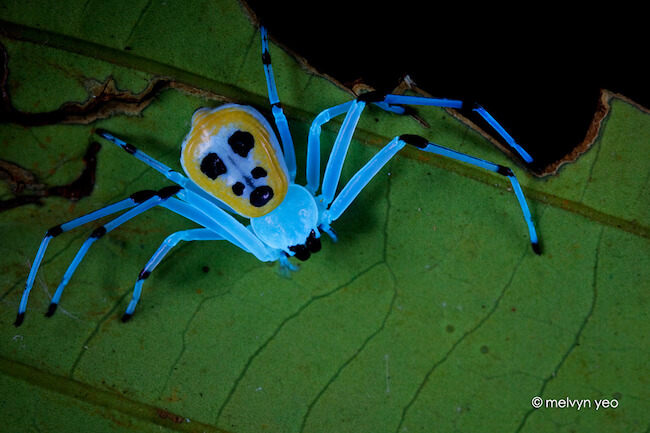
(431, 312)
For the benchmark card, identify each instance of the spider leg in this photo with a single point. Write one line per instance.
(390, 102)
(170, 174)
(372, 167)
(339, 150)
(361, 178)
(218, 226)
(57, 230)
(169, 243)
(278, 114)
(154, 200)
(202, 211)
(313, 143)
(132, 150)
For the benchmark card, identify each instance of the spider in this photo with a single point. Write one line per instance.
(234, 163)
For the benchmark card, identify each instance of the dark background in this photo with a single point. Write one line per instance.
(538, 71)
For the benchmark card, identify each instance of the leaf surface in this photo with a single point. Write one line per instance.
(430, 313)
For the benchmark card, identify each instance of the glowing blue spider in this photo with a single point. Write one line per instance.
(233, 161)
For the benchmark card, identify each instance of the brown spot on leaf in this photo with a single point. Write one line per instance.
(26, 188)
(104, 100)
(170, 416)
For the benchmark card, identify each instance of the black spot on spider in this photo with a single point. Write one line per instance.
(20, 318)
(261, 195)
(212, 166)
(414, 140)
(51, 309)
(168, 191)
(258, 172)
(98, 232)
(266, 57)
(241, 143)
(129, 148)
(238, 188)
(504, 171)
(54, 231)
(140, 196)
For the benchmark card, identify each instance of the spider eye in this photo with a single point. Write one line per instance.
(241, 143)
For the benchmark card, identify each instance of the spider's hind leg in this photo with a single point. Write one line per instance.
(62, 228)
(423, 144)
(393, 103)
(153, 199)
(372, 167)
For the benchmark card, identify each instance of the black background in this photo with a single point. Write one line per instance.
(537, 69)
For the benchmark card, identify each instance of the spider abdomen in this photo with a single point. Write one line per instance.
(232, 153)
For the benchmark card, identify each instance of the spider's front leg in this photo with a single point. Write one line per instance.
(276, 108)
(372, 167)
